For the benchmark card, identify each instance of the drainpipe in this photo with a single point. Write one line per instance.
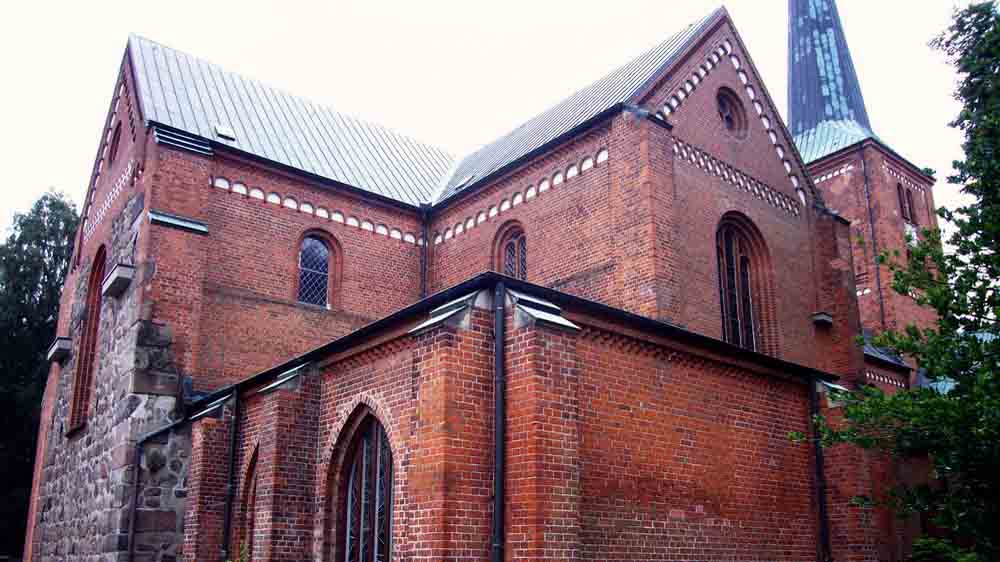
(227, 514)
(425, 216)
(136, 469)
(824, 522)
(871, 224)
(499, 421)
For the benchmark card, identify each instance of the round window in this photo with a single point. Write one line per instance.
(731, 112)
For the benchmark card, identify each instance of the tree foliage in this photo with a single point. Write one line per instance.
(33, 263)
(955, 420)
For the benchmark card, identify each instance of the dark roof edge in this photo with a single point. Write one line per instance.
(886, 363)
(875, 140)
(483, 181)
(828, 211)
(220, 147)
(488, 280)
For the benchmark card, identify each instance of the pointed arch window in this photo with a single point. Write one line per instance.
(905, 202)
(314, 271)
(909, 206)
(736, 287)
(244, 544)
(512, 253)
(113, 147)
(86, 362)
(366, 507)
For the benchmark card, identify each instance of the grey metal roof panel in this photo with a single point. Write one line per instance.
(828, 137)
(617, 87)
(192, 95)
(822, 83)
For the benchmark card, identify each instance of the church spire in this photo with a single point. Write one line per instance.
(826, 111)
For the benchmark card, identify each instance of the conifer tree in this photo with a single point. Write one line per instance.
(33, 264)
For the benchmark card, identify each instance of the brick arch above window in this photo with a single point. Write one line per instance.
(313, 285)
(746, 285)
(364, 440)
(510, 251)
(243, 539)
(87, 360)
(116, 137)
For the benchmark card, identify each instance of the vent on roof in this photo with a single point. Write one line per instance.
(465, 181)
(182, 140)
(225, 132)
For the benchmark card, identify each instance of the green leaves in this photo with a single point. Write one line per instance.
(954, 422)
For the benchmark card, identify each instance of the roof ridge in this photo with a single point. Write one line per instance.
(578, 107)
(310, 100)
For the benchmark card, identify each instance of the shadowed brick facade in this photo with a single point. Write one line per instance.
(633, 430)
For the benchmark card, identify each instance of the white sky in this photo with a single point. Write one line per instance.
(455, 73)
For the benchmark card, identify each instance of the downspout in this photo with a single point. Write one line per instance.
(425, 216)
(499, 421)
(871, 225)
(824, 521)
(136, 469)
(227, 514)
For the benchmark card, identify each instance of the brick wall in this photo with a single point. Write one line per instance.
(232, 294)
(432, 395)
(683, 456)
(639, 232)
(570, 227)
(841, 177)
(622, 444)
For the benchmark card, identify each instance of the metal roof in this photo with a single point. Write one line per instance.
(200, 98)
(830, 136)
(617, 87)
(826, 111)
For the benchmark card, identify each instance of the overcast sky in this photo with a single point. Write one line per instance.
(451, 73)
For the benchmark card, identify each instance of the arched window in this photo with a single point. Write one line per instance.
(314, 271)
(244, 544)
(83, 385)
(115, 139)
(366, 505)
(905, 202)
(512, 253)
(731, 112)
(736, 287)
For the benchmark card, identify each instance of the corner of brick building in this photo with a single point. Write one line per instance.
(860, 183)
(430, 391)
(838, 350)
(84, 478)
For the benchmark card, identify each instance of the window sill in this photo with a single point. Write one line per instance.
(314, 307)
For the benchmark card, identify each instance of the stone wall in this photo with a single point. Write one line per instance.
(87, 488)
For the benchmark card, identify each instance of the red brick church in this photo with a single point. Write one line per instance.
(292, 334)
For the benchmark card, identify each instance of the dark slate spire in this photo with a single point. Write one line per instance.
(826, 111)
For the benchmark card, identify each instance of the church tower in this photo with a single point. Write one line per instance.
(885, 196)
